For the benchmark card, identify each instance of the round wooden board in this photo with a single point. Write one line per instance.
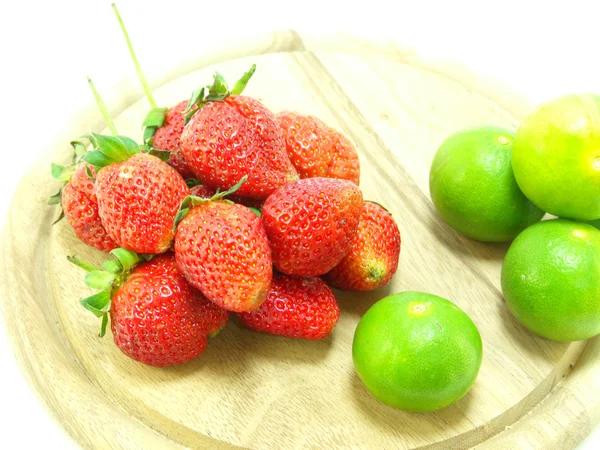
(256, 391)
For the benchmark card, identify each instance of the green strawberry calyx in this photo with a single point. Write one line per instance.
(106, 279)
(108, 150)
(192, 182)
(116, 148)
(152, 122)
(217, 92)
(190, 201)
(105, 150)
(64, 175)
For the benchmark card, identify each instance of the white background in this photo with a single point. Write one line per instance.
(544, 49)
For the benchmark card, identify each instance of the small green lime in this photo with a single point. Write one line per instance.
(551, 279)
(556, 157)
(416, 351)
(594, 223)
(473, 187)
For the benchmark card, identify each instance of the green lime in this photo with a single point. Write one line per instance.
(473, 187)
(417, 351)
(551, 279)
(556, 157)
(594, 223)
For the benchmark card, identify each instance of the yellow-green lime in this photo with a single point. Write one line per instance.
(594, 223)
(556, 157)
(473, 187)
(551, 279)
(416, 351)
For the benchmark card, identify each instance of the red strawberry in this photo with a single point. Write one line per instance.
(295, 307)
(222, 249)
(156, 317)
(311, 224)
(235, 136)
(80, 207)
(78, 195)
(168, 138)
(317, 150)
(203, 191)
(373, 260)
(138, 194)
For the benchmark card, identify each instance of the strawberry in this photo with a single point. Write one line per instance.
(138, 194)
(373, 259)
(230, 136)
(167, 137)
(296, 308)
(156, 317)
(203, 191)
(311, 224)
(78, 194)
(80, 207)
(78, 201)
(317, 150)
(222, 249)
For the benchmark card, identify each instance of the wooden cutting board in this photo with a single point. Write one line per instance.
(256, 391)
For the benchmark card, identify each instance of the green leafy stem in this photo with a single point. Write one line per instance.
(152, 122)
(156, 117)
(217, 92)
(64, 175)
(190, 201)
(106, 279)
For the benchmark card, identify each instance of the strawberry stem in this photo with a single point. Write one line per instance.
(102, 108)
(217, 92)
(190, 201)
(138, 68)
(101, 280)
(81, 263)
(127, 258)
(156, 116)
(220, 195)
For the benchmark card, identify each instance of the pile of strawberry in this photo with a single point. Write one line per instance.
(274, 215)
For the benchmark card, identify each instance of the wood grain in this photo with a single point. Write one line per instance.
(255, 391)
